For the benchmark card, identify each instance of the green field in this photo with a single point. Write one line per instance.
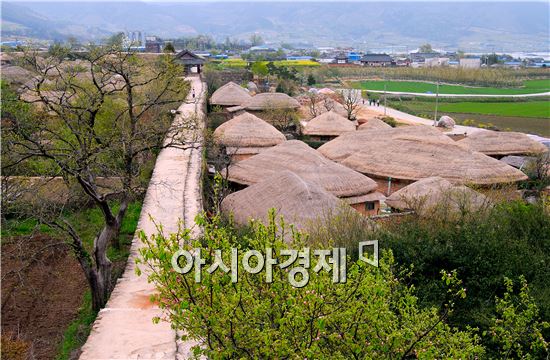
(529, 87)
(536, 109)
(530, 116)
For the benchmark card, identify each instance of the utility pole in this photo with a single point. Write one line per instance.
(385, 98)
(436, 102)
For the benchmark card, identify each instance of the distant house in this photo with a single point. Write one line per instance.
(421, 57)
(298, 57)
(403, 62)
(262, 48)
(354, 57)
(468, 63)
(377, 60)
(513, 64)
(190, 61)
(12, 43)
(153, 44)
(436, 62)
(341, 59)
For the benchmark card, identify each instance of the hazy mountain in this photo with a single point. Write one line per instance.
(466, 25)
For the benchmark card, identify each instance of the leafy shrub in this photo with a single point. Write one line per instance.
(389, 120)
(518, 332)
(510, 240)
(372, 315)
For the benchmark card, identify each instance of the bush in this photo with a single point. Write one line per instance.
(372, 315)
(510, 240)
(389, 120)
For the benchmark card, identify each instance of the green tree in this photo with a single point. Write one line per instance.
(108, 122)
(259, 68)
(425, 48)
(256, 39)
(169, 48)
(371, 315)
(311, 80)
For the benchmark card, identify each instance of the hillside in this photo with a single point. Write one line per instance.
(485, 26)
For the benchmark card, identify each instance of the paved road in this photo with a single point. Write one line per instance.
(412, 119)
(461, 95)
(124, 328)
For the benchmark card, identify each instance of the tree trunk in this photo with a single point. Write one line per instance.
(100, 279)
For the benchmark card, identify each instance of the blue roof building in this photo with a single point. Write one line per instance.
(354, 56)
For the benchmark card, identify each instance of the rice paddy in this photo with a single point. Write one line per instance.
(530, 116)
(529, 87)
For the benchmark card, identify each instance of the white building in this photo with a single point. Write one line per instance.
(470, 63)
(436, 62)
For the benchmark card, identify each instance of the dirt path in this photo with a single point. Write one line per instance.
(412, 119)
(543, 94)
(124, 328)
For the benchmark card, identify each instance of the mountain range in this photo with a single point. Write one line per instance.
(470, 26)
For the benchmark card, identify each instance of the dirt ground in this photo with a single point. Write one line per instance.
(40, 301)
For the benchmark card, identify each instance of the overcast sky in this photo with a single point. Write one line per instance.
(183, 1)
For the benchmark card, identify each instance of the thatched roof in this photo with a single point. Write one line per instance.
(516, 161)
(414, 153)
(16, 74)
(307, 163)
(247, 130)
(373, 124)
(433, 192)
(348, 144)
(299, 201)
(329, 123)
(230, 94)
(503, 143)
(265, 101)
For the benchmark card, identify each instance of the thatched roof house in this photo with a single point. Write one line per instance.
(412, 153)
(501, 143)
(16, 74)
(348, 144)
(311, 166)
(328, 125)
(246, 135)
(299, 201)
(436, 193)
(230, 94)
(267, 101)
(374, 124)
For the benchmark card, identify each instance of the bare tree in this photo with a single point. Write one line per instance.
(105, 121)
(328, 103)
(351, 100)
(314, 103)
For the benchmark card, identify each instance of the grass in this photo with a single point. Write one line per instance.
(529, 87)
(533, 108)
(537, 109)
(88, 222)
(530, 116)
(76, 334)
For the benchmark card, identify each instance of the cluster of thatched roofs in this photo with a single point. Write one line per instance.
(416, 152)
(238, 98)
(301, 182)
